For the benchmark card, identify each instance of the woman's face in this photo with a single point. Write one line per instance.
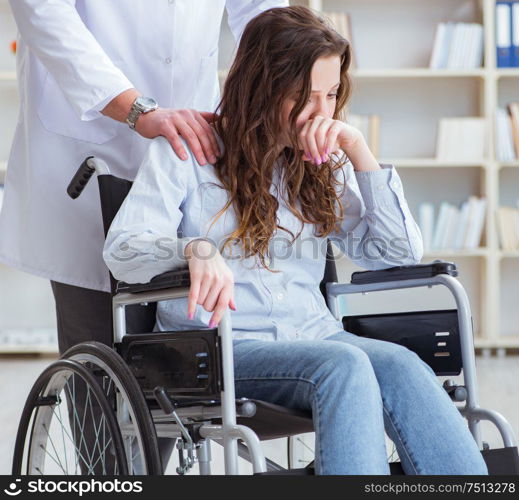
(325, 76)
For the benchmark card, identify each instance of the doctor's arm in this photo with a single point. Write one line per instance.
(378, 230)
(92, 84)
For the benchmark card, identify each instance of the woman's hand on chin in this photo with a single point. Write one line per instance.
(212, 282)
(321, 136)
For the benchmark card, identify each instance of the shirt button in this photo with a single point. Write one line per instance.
(280, 296)
(167, 60)
(380, 187)
(395, 184)
(297, 335)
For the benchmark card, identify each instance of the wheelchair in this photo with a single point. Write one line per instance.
(179, 385)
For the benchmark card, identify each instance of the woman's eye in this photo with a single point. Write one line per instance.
(332, 96)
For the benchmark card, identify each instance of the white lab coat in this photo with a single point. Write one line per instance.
(73, 57)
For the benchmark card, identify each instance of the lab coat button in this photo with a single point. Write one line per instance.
(167, 60)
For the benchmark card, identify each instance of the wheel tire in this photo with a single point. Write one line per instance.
(108, 360)
(39, 408)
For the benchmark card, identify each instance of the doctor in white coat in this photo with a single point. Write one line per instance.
(81, 65)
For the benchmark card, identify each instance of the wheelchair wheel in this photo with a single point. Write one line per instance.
(125, 395)
(47, 443)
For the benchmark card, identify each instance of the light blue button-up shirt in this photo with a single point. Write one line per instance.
(173, 202)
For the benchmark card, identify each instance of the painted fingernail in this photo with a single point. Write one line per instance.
(212, 324)
(190, 315)
(317, 161)
(324, 158)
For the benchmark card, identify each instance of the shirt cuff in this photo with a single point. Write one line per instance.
(376, 186)
(95, 111)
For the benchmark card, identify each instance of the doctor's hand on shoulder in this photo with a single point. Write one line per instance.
(193, 126)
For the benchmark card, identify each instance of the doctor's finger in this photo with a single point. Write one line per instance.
(210, 131)
(205, 135)
(172, 136)
(185, 130)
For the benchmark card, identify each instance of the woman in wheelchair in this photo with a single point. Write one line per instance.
(253, 229)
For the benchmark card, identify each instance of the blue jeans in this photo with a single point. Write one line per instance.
(355, 388)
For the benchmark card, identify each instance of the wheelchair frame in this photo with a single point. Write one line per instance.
(168, 420)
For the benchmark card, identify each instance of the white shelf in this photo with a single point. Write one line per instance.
(503, 342)
(431, 162)
(508, 164)
(417, 73)
(512, 254)
(422, 96)
(507, 72)
(476, 252)
(7, 76)
(29, 349)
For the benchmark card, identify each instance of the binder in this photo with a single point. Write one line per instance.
(515, 34)
(503, 34)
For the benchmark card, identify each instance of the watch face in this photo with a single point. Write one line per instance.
(146, 103)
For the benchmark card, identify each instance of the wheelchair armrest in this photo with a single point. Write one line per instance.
(400, 273)
(178, 278)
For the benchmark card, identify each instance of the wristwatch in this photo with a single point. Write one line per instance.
(140, 105)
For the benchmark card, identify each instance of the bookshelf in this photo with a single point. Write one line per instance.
(392, 80)
(399, 68)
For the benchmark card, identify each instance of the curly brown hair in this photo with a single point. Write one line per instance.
(277, 51)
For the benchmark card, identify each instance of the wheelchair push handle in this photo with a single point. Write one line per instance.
(84, 173)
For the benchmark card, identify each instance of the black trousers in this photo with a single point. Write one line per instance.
(83, 314)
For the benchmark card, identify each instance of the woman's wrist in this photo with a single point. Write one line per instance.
(361, 156)
(200, 248)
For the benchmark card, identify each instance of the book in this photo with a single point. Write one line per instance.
(441, 223)
(459, 240)
(504, 136)
(513, 110)
(451, 227)
(508, 228)
(457, 46)
(426, 224)
(476, 223)
(462, 139)
(503, 34)
(515, 35)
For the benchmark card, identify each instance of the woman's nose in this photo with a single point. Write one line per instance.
(322, 109)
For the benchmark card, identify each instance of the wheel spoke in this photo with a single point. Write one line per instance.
(53, 447)
(76, 449)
